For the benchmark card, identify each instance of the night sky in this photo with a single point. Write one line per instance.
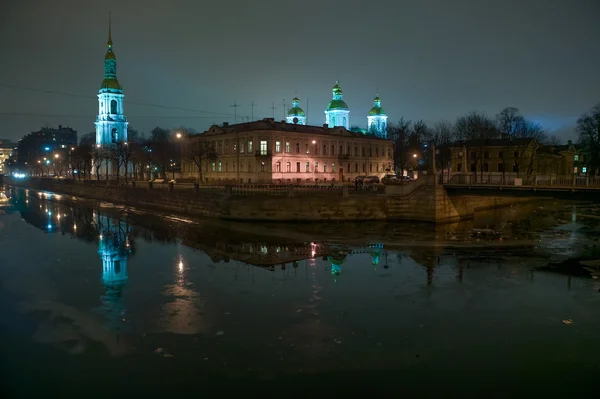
(429, 59)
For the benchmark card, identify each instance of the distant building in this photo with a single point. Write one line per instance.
(337, 112)
(377, 119)
(296, 114)
(6, 151)
(493, 159)
(46, 146)
(277, 152)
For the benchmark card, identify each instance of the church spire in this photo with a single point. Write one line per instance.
(109, 42)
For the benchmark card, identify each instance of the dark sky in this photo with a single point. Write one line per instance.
(429, 59)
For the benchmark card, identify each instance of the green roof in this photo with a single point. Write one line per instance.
(376, 111)
(337, 104)
(296, 111)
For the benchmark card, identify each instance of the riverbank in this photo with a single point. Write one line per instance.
(421, 202)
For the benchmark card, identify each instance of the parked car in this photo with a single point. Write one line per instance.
(371, 180)
(390, 178)
(406, 179)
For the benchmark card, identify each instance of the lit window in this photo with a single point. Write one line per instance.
(316, 167)
(249, 145)
(263, 147)
(584, 170)
(287, 146)
(220, 167)
(576, 158)
(332, 168)
(277, 146)
(213, 166)
(288, 167)
(324, 168)
(307, 167)
(278, 167)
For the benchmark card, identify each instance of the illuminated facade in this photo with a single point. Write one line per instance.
(337, 112)
(377, 120)
(296, 114)
(6, 151)
(266, 151)
(111, 124)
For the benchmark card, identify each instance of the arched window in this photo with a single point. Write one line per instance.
(333, 120)
(114, 135)
(345, 122)
(113, 107)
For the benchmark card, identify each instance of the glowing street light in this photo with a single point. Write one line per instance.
(414, 155)
(56, 155)
(178, 135)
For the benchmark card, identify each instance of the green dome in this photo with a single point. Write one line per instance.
(337, 104)
(376, 111)
(296, 111)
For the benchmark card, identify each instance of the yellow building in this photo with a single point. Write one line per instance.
(266, 151)
(495, 160)
(6, 150)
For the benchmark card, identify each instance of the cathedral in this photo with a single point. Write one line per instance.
(111, 124)
(337, 113)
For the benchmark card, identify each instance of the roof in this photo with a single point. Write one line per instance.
(296, 111)
(376, 111)
(109, 83)
(337, 104)
(493, 142)
(268, 124)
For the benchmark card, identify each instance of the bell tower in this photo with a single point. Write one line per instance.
(111, 124)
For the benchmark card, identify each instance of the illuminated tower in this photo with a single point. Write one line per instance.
(296, 114)
(337, 112)
(377, 120)
(111, 124)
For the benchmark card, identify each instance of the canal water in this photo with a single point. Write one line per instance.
(98, 300)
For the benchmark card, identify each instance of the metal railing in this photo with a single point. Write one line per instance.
(499, 179)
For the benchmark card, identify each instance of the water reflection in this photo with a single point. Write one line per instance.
(307, 293)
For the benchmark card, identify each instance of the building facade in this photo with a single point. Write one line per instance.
(6, 151)
(277, 152)
(337, 112)
(494, 159)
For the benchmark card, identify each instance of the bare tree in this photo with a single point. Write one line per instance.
(399, 133)
(588, 128)
(199, 151)
(475, 125)
(100, 157)
(554, 140)
(441, 136)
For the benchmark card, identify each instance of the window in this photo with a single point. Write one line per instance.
(501, 154)
(220, 167)
(262, 166)
(459, 167)
(298, 167)
(226, 166)
(242, 166)
(364, 167)
(515, 168)
(389, 152)
(242, 147)
(576, 158)
(363, 151)
(486, 167)
(486, 155)
(376, 151)
(575, 169)
(287, 146)
(370, 167)
(263, 147)
(355, 168)
(226, 146)
(349, 152)
(324, 149)
(234, 148)
(332, 168)
(473, 167)
(355, 151)
(307, 167)
(333, 120)
(113, 107)
(316, 167)
(344, 121)
(341, 150)
(307, 151)
(348, 170)
(584, 169)
(250, 146)
(213, 166)
(516, 154)
(277, 146)
(333, 149)
(288, 167)
(297, 148)
(324, 168)
(278, 167)
(473, 155)
(501, 167)
(114, 135)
